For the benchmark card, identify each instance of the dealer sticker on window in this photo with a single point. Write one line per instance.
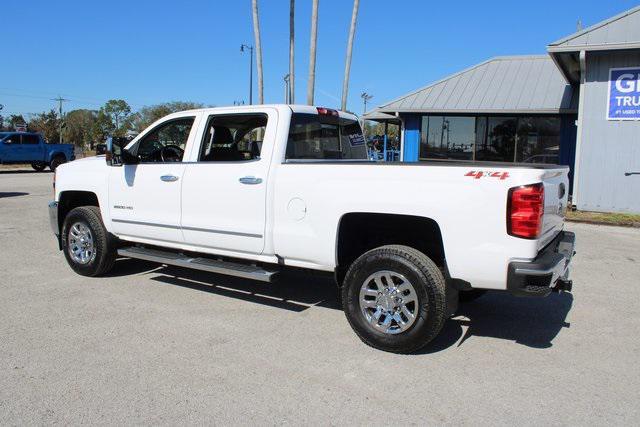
(356, 139)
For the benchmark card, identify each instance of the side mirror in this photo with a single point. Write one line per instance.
(116, 154)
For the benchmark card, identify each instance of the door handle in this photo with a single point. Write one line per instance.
(250, 180)
(169, 178)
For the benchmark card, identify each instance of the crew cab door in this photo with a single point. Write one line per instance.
(32, 148)
(11, 147)
(144, 198)
(224, 191)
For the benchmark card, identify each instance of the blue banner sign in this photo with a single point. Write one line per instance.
(624, 94)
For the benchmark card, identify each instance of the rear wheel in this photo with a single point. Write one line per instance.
(394, 298)
(88, 247)
(38, 166)
(55, 162)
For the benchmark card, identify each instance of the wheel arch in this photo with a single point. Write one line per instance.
(358, 232)
(71, 199)
(57, 153)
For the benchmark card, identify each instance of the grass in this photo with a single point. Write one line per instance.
(621, 219)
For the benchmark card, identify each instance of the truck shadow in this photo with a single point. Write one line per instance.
(20, 171)
(532, 322)
(295, 291)
(12, 194)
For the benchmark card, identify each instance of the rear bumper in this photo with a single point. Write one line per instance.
(548, 271)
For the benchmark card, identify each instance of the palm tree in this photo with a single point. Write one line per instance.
(292, 91)
(312, 52)
(347, 65)
(256, 34)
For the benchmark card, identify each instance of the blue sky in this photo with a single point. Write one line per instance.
(150, 52)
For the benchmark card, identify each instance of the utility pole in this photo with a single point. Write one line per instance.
(365, 98)
(60, 101)
(242, 49)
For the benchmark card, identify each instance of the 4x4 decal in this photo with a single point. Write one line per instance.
(482, 174)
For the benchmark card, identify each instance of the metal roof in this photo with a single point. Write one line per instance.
(510, 84)
(378, 115)
(619, 32)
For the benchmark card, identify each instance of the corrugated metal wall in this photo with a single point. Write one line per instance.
(608, 148)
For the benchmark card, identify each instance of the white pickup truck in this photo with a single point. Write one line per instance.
(249, 191)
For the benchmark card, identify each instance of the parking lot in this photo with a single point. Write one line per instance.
(156, 345)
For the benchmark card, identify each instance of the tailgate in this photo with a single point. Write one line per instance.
(556, 194)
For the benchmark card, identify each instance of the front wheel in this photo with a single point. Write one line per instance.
(87, 245)
(394, 298)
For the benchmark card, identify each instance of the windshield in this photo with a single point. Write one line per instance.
(315, 136)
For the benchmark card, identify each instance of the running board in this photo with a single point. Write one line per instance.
(205, 264)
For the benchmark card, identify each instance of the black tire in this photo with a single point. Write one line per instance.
(471, 294)
(55, 162)
(104, 254)
(38, 166)
(429, 285)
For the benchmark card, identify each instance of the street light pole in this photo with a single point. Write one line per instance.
(287, 93)
(365, 98)
(242, 48)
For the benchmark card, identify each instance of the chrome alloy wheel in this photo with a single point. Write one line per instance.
(388, 302)
(81, 245)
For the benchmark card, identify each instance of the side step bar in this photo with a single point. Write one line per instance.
(205, 264)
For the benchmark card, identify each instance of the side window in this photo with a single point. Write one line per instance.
(30, 139)
(319, 137)
(13, 139)
(233, 138)
(166, 143)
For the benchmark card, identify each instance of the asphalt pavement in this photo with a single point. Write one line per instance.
(158, 345)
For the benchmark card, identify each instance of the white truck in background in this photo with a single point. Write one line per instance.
(248, 191)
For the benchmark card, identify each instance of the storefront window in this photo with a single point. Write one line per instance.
(538, 140)
(494, 138)
(498, 146)
(447, 137)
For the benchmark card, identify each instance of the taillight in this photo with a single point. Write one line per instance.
(525, 208)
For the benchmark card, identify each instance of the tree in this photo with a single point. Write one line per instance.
(347, 64)
(147, 115)
(312, 52)
(256, 34)
(48, 124)
(292, 90)
(118, 111)
(14, 120)
(79, 128)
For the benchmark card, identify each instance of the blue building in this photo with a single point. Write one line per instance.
(577, 106)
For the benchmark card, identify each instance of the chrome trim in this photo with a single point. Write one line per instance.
(250, 180)
(53, 218)
(245, 271)
(176, 227)
(169, 178)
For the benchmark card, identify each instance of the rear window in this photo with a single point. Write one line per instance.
(314, 136)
